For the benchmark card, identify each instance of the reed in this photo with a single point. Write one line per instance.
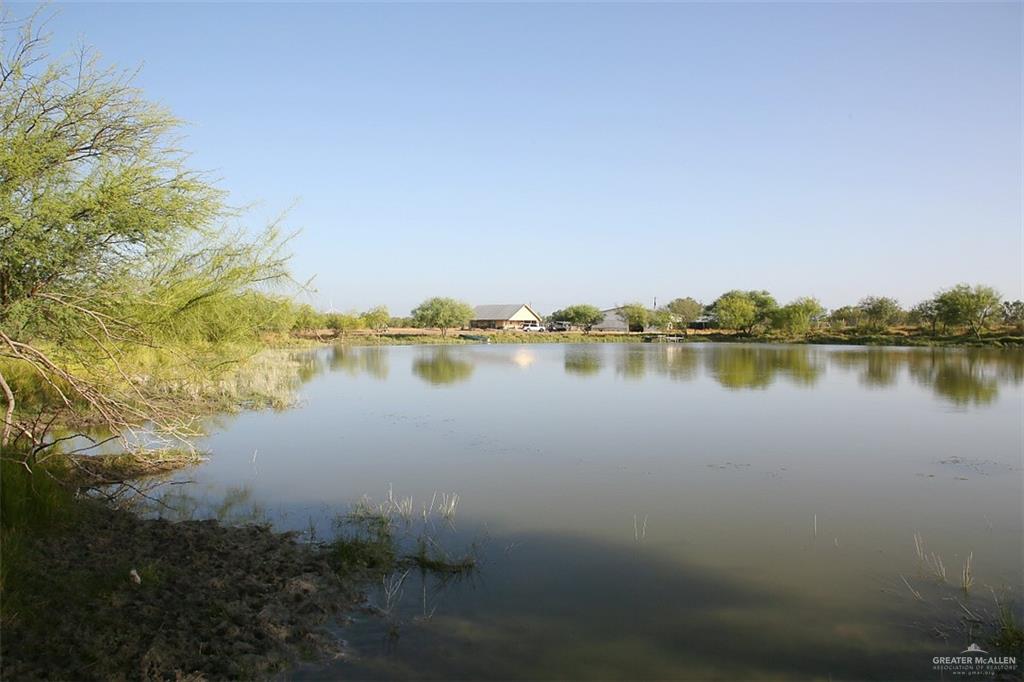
(917, 595)
(639, 530)
(929, 562)
(967, 575)
(365, 513)
(1009, 637)
(368, 544)
(403, 507)
(430, 557)
(392, 589)
(449, 503)
(934, 562)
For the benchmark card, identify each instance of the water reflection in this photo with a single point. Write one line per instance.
(370, 360)
(756, 368)
(877, 368)
(585, 361)
(677, 362)
(631, 361)
(960, 376)
(442, 366)
(308, 366)
(962, 388)
(738, 368)
(232, 505)
(963, 377)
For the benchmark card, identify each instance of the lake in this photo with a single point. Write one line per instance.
(659, 511)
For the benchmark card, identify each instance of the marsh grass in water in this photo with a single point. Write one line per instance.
(972, 617)
(967, 575)
(360, 555)
(242, 380)
(379, 539)
(1009, 636)
(432, 558)
(270, 378)
(929, 562)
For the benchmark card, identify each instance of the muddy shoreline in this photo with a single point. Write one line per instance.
(212, 602)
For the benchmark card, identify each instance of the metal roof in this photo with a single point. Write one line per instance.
(613, 319)
(501, 311)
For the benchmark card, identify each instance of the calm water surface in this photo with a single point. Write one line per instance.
(655, 511)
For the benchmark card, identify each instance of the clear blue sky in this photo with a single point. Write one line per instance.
(567, 153)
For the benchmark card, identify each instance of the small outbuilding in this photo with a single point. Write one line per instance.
(613, 321)
(703, 322)
(503, 316)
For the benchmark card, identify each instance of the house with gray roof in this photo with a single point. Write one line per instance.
(503, 316)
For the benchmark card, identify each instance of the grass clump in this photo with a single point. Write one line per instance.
(353, 556)
(33, 504)
(38, 502)
(430, 558)
(368, 544)
(33, 500)
(970, 616)
(1009, 636)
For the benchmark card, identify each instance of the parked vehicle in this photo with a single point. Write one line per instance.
(559, 327)
(532, 327)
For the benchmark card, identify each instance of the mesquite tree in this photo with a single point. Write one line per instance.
(442, 313)
(110, 249)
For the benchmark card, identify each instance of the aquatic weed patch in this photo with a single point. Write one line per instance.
(376, 539)
(955, 609)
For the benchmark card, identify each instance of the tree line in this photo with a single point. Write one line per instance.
(961, 308)
(435, 313)
(306, 318)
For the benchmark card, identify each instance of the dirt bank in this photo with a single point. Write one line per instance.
(213, 602)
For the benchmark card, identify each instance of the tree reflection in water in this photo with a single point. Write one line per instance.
(442, 367)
